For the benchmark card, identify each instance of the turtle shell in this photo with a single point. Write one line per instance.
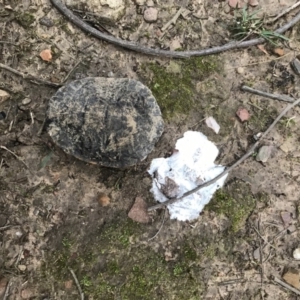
(107, 121)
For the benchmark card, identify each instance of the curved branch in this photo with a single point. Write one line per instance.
(176, 54)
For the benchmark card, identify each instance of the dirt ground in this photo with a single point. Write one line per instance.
(51, 221)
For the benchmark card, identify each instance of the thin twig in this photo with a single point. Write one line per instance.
(243, 158)
(260, 62)
(29, 77)
(173, 20)
(161, 226)
(42, 127)
(77, 284)
(268, 95)
(179, 54)
(286, 11)
(14, 154)
(287, 286)
(7, 42)
(19, 256)
(260, 258)
(231, 281)
(7, 290)
(5, 227)
(71, 71)
(265, 241)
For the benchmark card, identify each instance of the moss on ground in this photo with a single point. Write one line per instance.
(261, 119)
(112, 265)
(25, 19)
(174, 85)
(236, 203)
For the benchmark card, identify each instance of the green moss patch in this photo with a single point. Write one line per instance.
(236, 203)
(174, 85)
(25, 19)
(112, 265)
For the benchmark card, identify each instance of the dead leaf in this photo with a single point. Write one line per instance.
(138, 211)
(262, 48)
(46, 55)
(243, 114)
(68, 284)
(253, 2)
(278, 51)
(291, 276)
(103, 199)
(286, 218)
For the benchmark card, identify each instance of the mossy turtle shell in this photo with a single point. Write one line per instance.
(111, 122)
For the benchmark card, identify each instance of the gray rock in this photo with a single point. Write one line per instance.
(46, 22)
(264, 153)
(106, 121)
(296, 66)
(150, 14)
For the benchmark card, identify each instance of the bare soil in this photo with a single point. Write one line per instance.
(51, 219)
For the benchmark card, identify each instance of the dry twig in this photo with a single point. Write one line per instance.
(29, 77)
(7, 290)
(14, 154)
(173, 20)
(161, 226)
(268, 95)
(287, 286)
(77, 284)
(242, 159)
(179, 54)
(286, 11)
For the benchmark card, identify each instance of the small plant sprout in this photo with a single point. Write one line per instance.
(247, 24)
(289, 122)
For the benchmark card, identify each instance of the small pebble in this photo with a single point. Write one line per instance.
(110, 74)
(26, 101)
(150, 14)
(22, 268)
(253, 2)
(240, 70)
(264, 153)
(243, 114)
(296, 66)
(4, 96)
(296, 253)
(46, 22)
(103, 199)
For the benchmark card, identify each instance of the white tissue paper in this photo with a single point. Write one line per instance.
(191, 164)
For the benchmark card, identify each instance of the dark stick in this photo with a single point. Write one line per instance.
(180, 54)
(284, 98)
(29, 77)
(243, 158)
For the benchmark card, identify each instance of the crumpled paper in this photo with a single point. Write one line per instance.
(191, 164)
